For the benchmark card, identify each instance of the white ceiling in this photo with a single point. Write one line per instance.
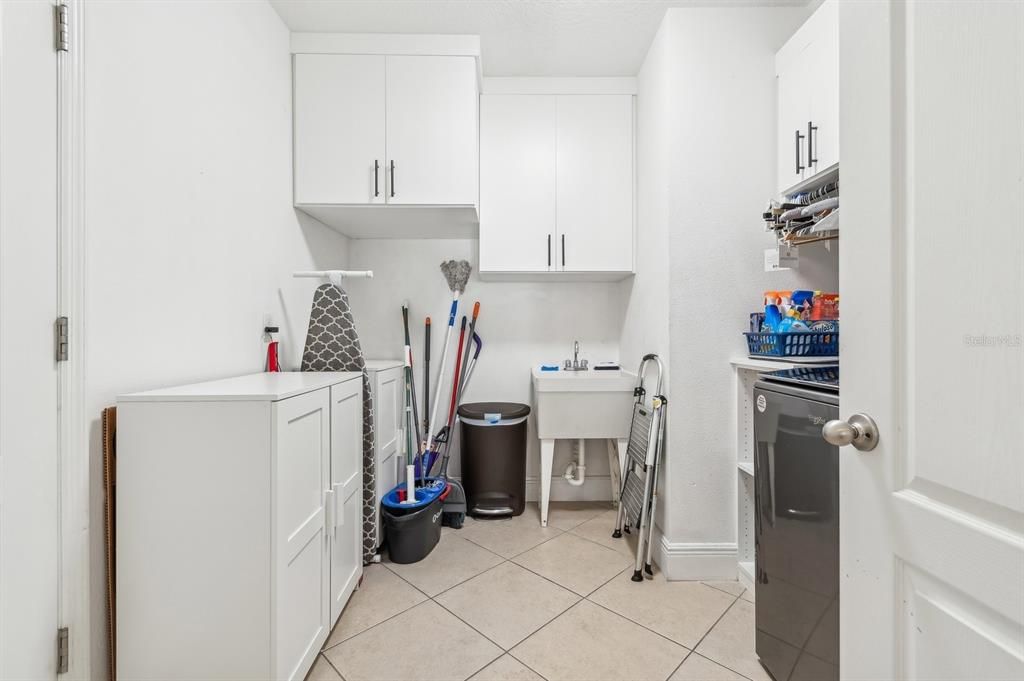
(518, 37)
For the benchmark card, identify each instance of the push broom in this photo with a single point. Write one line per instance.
(456, 273)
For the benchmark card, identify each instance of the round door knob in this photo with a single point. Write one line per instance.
(860, 431)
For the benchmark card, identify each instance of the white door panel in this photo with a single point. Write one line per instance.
(518, 148)
(302, 438)
(345, 518)
(339, 128)
(822, 59)
(792, 73)
(933, 322)
(595, 183)
(432, 130)
(29, 473)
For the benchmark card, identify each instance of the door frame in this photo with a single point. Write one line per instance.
(75, 611)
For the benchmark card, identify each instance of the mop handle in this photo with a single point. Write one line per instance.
(472, 363)
(440, 372)
(455, 378)
(469, 341)
(426, 372)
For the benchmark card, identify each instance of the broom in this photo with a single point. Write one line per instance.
(456, 273)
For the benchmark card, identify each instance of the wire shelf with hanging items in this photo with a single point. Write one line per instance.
(808, 212)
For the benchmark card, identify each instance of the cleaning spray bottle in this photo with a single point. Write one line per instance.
(273, 361)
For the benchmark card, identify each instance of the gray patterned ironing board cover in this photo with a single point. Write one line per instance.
(332, 344)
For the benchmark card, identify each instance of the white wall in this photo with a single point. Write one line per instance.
(707, 91)
(190, 233)
(646, 325)
(522, 325)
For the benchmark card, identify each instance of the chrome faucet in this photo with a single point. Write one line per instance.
(576, 364)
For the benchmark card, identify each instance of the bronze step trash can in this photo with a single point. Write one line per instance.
(494, 457)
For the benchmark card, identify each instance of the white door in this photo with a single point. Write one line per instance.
(932, 540)
(345, 518)
(595, 183)
(388, 393)
(432, 130)
(29, 474)
(518, 148)
(822, 59)
(302, 441)
(792, 72)
(339, 129)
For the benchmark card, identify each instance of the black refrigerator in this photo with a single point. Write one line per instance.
(796, 523)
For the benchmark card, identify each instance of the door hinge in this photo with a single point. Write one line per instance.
(62, 650)
(62, 32)
(61, 329)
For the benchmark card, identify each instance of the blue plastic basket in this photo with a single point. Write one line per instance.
(794, 344)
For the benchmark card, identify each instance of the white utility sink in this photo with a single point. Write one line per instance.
(580, 405)
(588, 404)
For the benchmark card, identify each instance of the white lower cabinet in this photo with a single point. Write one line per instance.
(387, 387)
(239, 528)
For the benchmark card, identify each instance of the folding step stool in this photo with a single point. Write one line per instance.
(640, 479)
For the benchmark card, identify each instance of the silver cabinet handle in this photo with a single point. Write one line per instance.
(549, 250)
(797, 139)
(376, 169)
(811, 129)
(860, 431)
(392, 179)
(563, 250)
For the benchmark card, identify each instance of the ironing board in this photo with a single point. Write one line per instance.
(332, 344)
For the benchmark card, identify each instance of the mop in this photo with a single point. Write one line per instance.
(456, 273)
(456, 506)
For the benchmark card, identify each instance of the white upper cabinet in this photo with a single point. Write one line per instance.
(595, 183)
(386, 145)
(432, 130)
(339, 129)
(807, 68)
(518, 146)
(556, 184)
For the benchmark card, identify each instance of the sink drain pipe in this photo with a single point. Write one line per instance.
(576, 471)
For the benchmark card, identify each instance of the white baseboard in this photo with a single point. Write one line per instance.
(594, 488)
(680, 561)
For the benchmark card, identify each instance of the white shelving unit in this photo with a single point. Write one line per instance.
(745, 371)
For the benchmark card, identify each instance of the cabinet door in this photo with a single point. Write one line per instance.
(345, 520)
(823, 86)
(339, 129)
(594, 205)
(302, 441)
(387, 395)
(793, 106)
(432, 130)
(518, 147)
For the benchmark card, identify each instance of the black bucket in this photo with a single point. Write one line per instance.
(412, 536)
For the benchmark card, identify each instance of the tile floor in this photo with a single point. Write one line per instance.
(510, 600)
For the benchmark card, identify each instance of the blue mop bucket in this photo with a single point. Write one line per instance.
(414, 529)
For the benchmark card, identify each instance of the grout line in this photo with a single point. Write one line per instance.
(453, 614)
(733, 604)
(442, 593)
(374, 626)
(560, 586)
(389, 617)
(712, 586)
(523, 663)
(644, 626)
(560, 533)
(331, 665)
